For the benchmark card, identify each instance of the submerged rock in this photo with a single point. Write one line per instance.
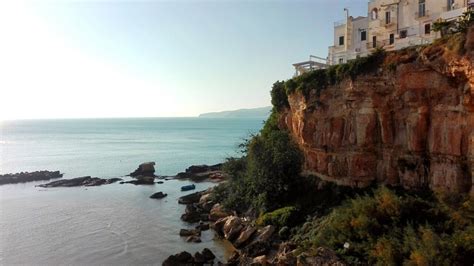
(80, 181)
(29, 177)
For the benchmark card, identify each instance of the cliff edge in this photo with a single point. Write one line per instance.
(410, 122)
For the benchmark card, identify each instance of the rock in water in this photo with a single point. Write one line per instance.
(158, 195)
(144, 169)
(190, 198)
(28, 177)
(208, 255)
(80, 181)
(183, 258)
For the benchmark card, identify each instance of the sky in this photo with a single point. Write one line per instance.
(84, 59)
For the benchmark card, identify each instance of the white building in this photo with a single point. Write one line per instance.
(396, 24)
(350, 39)
(390, 24)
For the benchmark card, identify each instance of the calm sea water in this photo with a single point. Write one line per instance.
(112, 224)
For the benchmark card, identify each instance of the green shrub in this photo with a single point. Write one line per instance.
(282, 217)
(279, 97)
(265, 177)
(393, 228)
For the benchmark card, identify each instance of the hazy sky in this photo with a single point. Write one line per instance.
(154, 58)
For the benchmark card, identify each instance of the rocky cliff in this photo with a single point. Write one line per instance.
(409, 123)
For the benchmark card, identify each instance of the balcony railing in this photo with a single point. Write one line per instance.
(339, 23)
(422, 14)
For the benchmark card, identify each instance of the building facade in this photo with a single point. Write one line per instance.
(396, 24)
(389, 24)
(350, 39)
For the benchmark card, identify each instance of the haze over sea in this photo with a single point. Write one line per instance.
(111, 224)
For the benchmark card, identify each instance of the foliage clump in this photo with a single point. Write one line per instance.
(389, 228)
(266, 175)
(286, 216)
(318, 80)
(452, 27)
(279, 97)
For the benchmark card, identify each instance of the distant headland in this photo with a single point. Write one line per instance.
(262, 112)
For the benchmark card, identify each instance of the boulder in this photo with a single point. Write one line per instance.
(194, 239)
(285, 254)
(207, 254)
(203, 226)
(191, 217)
(217, 212)
(219, 225)
(324, 256)
(245, 235)
(158, 195)
(199, 258)
(256, 248)
(183, 258)
(232, 228)
(265, 233)
(260, 260)
(190, 232)
(144, 169)
(190, 198)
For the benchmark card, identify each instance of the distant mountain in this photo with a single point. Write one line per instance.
(262, 112)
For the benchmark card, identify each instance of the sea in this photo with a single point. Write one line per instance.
(116, 224)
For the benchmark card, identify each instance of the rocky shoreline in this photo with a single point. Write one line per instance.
(24, 177)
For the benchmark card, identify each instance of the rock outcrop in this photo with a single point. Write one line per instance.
(202, 172)
(411, 124)
(80, 181)
(28, 177)
(144, 174)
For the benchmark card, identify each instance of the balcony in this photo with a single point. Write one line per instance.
(314, 62)
(422, 15)
(453, 14)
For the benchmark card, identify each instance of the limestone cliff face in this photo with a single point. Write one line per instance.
(411, 126)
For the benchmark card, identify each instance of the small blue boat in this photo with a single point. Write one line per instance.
(188, 187)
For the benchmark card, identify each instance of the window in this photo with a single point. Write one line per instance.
(387, 17)
(421, 8)
(450, 4)
(392, 38)
(341, 40)
(374, 14)
(363, 35)
(403, 34)
(428, 28)
(374, 42)
(341, 60)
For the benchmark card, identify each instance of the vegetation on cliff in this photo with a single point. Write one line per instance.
(375, 225)
(390, 227)
(265, 177)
